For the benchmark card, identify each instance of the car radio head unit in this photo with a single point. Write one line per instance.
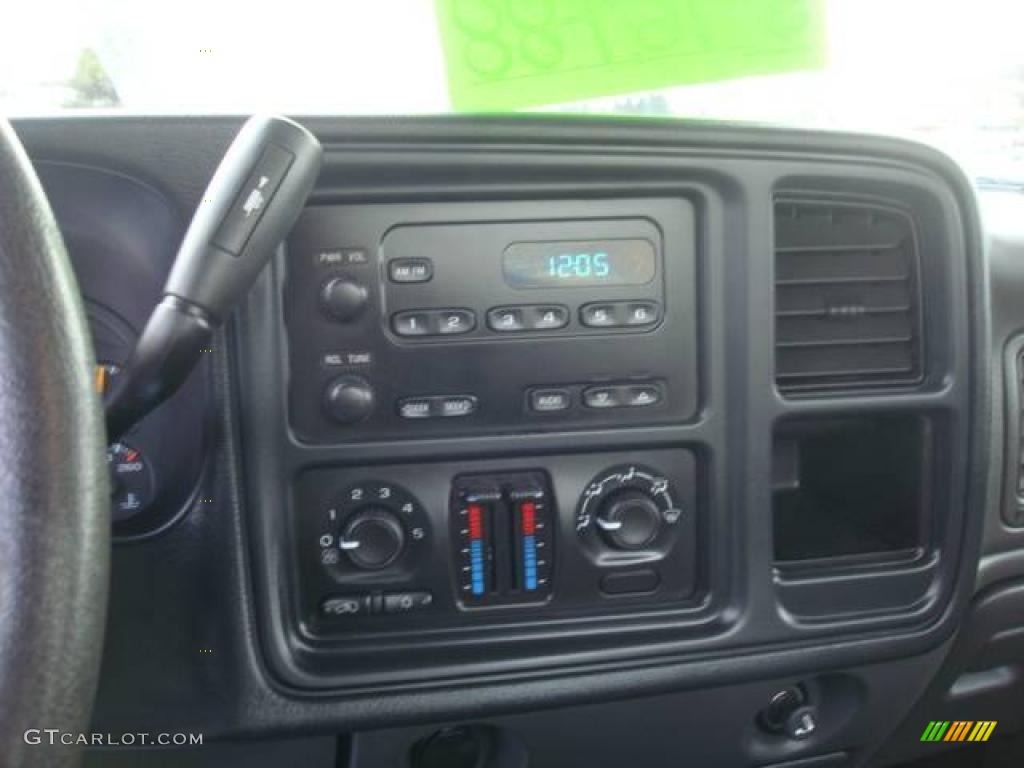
(396, 315)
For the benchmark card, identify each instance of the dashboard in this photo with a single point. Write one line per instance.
(538, 432)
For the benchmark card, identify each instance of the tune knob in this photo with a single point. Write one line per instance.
(348, 399)
(343, 298)
(629, 520)
(373, 538)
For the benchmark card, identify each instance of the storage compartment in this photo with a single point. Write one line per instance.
(852, 489)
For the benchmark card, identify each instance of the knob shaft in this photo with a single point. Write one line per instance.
(343, 298)
(373, 538)
(348, 399)
(630, 520)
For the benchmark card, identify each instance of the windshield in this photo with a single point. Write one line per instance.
(950, 73)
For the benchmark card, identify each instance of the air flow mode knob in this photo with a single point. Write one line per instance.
(629, 520)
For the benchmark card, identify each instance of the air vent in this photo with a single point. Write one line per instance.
(847, 296)
(1013, 513)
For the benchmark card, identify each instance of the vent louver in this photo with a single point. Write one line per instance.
(847, 295)
(1013, 514)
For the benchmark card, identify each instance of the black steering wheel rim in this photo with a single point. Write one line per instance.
(54, 497)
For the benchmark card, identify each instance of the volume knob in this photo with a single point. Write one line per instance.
(343, 298)
(629, 520)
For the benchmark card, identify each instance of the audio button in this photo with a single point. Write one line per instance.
(550, 400)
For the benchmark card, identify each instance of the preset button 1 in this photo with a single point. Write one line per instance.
(414, 323)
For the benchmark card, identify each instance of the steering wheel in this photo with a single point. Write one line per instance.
(54, 497)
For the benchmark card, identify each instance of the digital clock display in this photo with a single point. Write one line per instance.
(579, 263)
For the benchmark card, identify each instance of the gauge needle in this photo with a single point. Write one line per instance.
(101, 379)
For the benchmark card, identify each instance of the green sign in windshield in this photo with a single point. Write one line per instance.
(511, 54)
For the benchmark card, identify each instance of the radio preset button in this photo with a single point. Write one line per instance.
(506, 319)
(550, 400)
(548, 318)
(410, 270)
(414, 323)
(457, 405)
(641, 313)
(599, 315)
(454, 321)
(602, 397)
(415, 408)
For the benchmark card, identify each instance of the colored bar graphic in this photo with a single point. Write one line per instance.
(476, 548)
(529, 517)
(959, 730)
(935, 730)
(982, 730)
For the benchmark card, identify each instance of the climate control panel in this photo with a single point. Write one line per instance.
(372, 526)
(519, 539)
(502, 538)
(627, 511)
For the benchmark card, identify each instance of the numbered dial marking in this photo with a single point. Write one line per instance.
(371, 527)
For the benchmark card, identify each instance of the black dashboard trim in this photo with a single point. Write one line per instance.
(242, 695)
(923, 628)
